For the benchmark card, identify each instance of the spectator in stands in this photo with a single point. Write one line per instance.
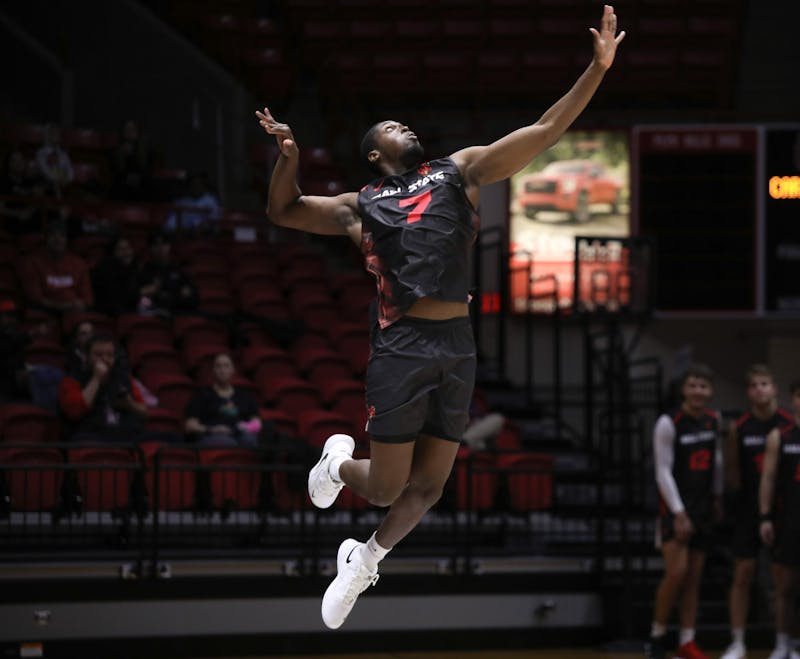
(744, 457)
(53, 163)
(130, 165)
(163, 287)
(19, 215)
(101, 402)
(115, 279)
(689, 477)
(55, 279)
(222, 414)
(198, 210)
(779, 502)
(75, 361)
(20, 380)
(13, 341)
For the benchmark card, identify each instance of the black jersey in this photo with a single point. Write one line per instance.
(417, 234)
(693, 463)
(751, 439)
(787, 489)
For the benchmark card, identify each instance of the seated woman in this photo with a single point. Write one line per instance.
(220, 414)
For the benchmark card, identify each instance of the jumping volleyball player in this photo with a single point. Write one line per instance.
(416, 224)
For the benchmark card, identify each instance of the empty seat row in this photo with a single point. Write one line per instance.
(167, 478)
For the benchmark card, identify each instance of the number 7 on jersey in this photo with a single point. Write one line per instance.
(419, 202)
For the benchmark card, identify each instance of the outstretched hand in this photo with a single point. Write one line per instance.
(607, 39)
(282, 132)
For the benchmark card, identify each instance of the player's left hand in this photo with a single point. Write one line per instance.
(607, 39)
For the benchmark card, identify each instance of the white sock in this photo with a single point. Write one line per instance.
(334, 464)
(372, 553)
(687, 636)
(782, 641)
(738, 636)
(658, 630)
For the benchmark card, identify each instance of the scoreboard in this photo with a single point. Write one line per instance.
(781, 194)
(695, 195)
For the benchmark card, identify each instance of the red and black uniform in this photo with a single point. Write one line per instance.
(787, 499)
(693, 469)
(751, 439)
(418, 229)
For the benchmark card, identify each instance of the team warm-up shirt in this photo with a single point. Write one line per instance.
(688, 462)
(787, 489)
(417, 234)
(751, 439)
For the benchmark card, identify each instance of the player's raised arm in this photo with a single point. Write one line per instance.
(481, 165)
(289, 207)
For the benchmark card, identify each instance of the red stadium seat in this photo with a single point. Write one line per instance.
(173, 391)
(102, 324)
(348, 398)
(475, 480)
(105, 475)
(318, 316)
(44, 351)
(145, 329)
(348, 338)
(21, 422)
(530, 480)
(30, 486)
(274, 361)
(283, 423)
(199, 328)
(322, 364)
(315, 426)
(199, 356)
(292, 395)
(90, 248)
(130, 216)
(161, 420)
(171, 468)
(232, 486)
(147, 359)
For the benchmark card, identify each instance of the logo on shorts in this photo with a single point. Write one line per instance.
(371, 412)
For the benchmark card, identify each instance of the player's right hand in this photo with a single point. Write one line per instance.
(767, 532)
(684, 529)
(282, 132)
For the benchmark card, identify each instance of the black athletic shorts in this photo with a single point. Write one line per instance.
(786, 550)
(701, 538)
(420, 378)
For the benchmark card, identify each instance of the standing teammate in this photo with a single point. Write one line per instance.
(688, 465)
(416, 224)
(744, 459)
(779, 506)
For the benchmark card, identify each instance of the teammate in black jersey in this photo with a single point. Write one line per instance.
(744, 457)
(416, 224)
(779, 507)
(688, 466)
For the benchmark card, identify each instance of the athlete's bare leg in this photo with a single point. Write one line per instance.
(410, 477)
(691, 589)
(783, 578)
(739, 597)
(676, 566)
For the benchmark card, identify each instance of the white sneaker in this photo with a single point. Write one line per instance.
(782, 653)
(352, 579)
(735, 650)
(322, 488)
